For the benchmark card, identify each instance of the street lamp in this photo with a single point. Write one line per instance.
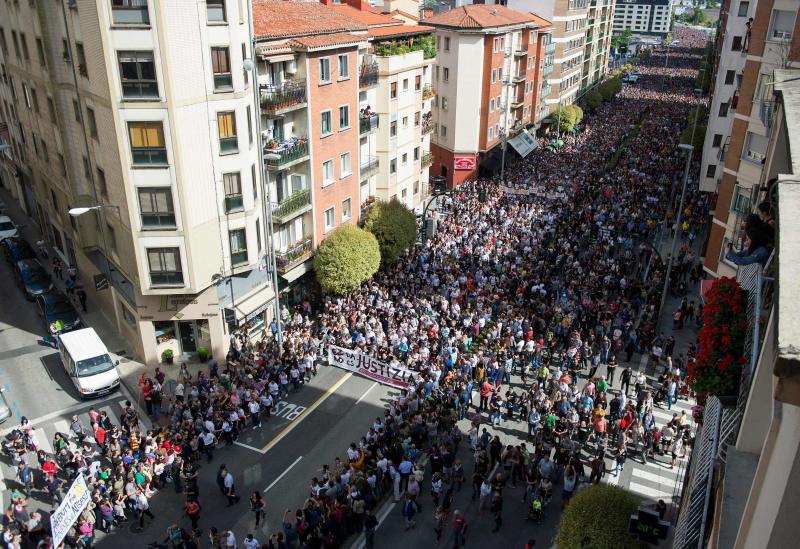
(251, 66)
(689, 149)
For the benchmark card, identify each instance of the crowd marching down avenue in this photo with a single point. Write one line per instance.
(526, 308)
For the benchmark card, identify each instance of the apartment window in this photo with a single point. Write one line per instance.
(330, 219)
(417, 83)
(24, 43)
(228, 140)
(35, 100)
(491, 104)
(238, 242)
(404, 158)
(393, 90)
(779, 29)
(221, 65)
(51, 109)
(250, 124)
(244, 56)
(446, 43)
(446, 74)
(324, 70)
(83, 69)
(755, 148)
(147, 143)
(15, 40)
(344, 165)
(347, 209)
(3, 43)
(87, 168)
(112, 237)
(327, 173)
(444, 103)
(344, 117)
(101, 183)
(416, 153)
(711, 170)
(344, 67)
(444, 130)
(723, 109)
(130, 12)
(40, 52)
(393, 129)
(138, 74)
(737, 43)
(417, 118)
(45, 154)
(491, 133)
(325, 123)
(232, 183)
(405, 122)
(215, 11)
(741, 201)
(258, 236)
(730, 76)
(494, 76)
(156, 207)
(405, 84)
(717, 141)
(744, 7)
(393, 165)
(62, 165)
(165, 266)
(92, 122)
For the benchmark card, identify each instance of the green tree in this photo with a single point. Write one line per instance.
(619, 41)
(395, 227)
(593, 99)
(564, 118)
(347, 258)
(578, 113)
(597, 518)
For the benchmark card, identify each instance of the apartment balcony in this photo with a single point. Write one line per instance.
(590, 22)
(294, 255)
(368, 124)
(368, 75)
(233, 203)
(290, 207)
(520, 52)
(546, 91)
(287, 96)
(548, 70)
(427, 159)
(589, 39)
(519, 77)
(427, 126)
(428, 92)
(290, 153)
(766, 113)
(550, 48)
(369, 166)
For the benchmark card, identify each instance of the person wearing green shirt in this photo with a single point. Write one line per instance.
(602, 385)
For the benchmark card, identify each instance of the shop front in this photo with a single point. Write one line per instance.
(181, 325)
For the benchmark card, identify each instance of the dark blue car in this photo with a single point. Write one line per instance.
(16, 248)
(32, 278)
(56, 306)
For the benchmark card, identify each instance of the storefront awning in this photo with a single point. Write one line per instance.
(297, 272)
(253, 305)
(524, 143)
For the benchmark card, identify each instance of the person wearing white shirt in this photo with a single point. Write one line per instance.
(230, 540)
(250, 542)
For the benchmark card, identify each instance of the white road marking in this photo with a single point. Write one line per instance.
(652, 477)
(243, 445)
(366, 393)
(66, 412)
(43, 440)
(648, 492)
(274, 482)
(360, 543)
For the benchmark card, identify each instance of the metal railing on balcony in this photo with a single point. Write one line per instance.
(427, 126)
(369, 165)
(550, 48)
(294, 255)
(520, 51)
(291, 204)
(428, 92)
(427, 159)
(288, 94)
(548, 70)
(546, 91)
(368, 123)
(233, 202)
(766, 113)
(368, 75)
(287, 154)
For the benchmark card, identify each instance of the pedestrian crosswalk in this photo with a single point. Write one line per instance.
(45, 432)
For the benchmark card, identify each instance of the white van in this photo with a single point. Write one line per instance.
(88, 363)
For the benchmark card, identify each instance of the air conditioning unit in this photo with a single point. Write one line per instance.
(291, 67)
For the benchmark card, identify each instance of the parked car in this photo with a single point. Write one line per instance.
(630, 78)
(16, 248)
(5, 409)
(7, 227)
(56, 306)
(32, 278)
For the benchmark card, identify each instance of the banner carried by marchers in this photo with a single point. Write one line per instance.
(371, 368)
(70, 509)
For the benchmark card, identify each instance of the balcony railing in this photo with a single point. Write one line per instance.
(428, 92)
(369, 165)
(294, 255)
(546, 91)
(368, 75)
(766, 112)
(368, 124)
(287, 154)
(550, 48)
(427, 126)
(520, 51)
(289, 94)
(293, 203)
(233, 202)
(427, 159)
(548, 70)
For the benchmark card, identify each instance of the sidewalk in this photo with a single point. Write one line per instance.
(129, 368)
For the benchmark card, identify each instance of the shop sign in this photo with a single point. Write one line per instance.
(464, 162)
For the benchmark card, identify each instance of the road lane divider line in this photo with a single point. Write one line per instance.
(289, 468)
(243, 445)
(366, 393)
(286, 430)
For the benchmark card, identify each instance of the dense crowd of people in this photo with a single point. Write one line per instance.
(549, 278)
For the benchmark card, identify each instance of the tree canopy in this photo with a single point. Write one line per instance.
(395, 227)
(347, 258)
(596, 518)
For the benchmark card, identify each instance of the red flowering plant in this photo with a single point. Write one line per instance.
(719, 363)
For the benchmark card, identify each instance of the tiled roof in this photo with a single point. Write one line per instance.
(365, 17)
(480, 16)
(541, 21)
(323, 40)
(286, 18)
(405, 14)
(399, 30)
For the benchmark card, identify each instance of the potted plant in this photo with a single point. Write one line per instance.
(202, 354)
(166, 356)
(721, 357)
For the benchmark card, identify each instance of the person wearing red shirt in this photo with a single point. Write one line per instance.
(99, 436)
(49, 467)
